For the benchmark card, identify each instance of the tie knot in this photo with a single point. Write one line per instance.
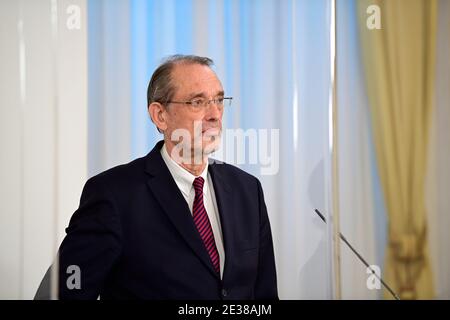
(198, 185)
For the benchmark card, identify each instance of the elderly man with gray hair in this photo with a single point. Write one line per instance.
(174, 224)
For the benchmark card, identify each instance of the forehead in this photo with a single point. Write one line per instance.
(195, 78)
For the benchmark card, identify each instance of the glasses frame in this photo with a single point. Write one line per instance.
(205, 103)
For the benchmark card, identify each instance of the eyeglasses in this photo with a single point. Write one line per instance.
(201, 103)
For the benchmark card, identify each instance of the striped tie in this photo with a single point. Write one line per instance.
(203, 225)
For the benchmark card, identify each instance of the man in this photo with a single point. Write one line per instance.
(171, 225)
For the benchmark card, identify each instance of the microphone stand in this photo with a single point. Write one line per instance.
(361, 258)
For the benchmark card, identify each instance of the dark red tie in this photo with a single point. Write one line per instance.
(203, 225)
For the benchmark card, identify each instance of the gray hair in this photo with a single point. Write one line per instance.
(160, 88)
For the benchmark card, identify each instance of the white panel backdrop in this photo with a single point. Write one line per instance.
(43, 139)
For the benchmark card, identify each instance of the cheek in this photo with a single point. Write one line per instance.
(182, 120)
(175, 120)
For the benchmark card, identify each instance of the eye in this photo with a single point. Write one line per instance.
(197, 102)
(219, 100)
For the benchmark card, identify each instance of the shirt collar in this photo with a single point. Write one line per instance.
(183, 178)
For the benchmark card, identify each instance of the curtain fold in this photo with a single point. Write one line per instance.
(399, 63)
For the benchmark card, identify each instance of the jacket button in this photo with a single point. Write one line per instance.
(224, 292)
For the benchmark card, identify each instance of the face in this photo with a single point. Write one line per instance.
(198, 129)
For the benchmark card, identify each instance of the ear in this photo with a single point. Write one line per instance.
(157, 113)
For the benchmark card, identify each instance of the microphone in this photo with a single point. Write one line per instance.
(361, 258)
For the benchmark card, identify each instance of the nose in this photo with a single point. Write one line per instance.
(213, 112)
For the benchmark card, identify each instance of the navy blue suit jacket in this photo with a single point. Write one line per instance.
(133, 237)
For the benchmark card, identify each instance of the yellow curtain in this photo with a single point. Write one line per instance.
(399, 64)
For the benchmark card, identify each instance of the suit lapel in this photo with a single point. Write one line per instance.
(224, 198)
(163, 186)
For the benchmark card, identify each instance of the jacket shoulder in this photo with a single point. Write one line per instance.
(122, 175)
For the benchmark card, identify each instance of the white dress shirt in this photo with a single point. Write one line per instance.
(184, 180)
